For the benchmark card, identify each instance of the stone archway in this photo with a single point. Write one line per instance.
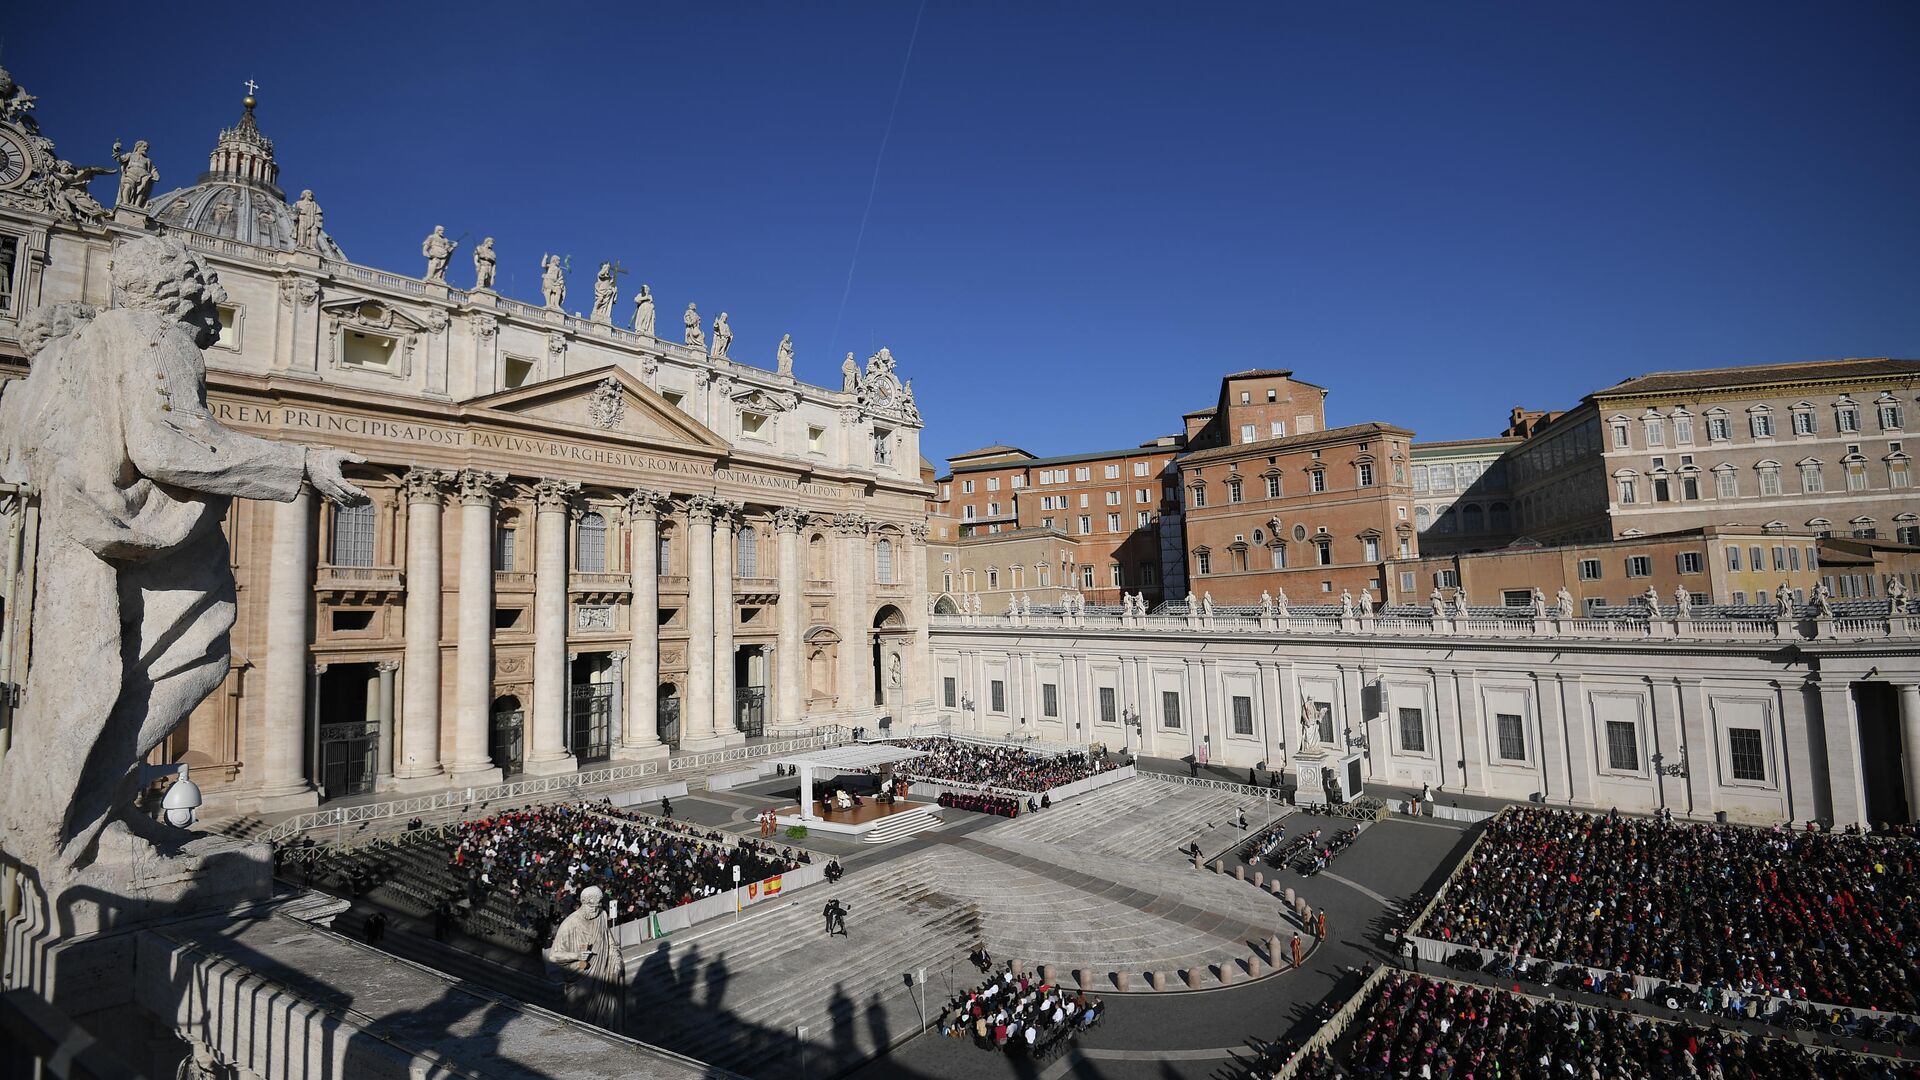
(890, 638)
(945, 606)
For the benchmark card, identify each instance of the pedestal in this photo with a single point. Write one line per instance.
(1347, 765)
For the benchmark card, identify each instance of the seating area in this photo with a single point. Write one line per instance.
(1002, 767)
(1416, 1027)
(1020, 1015)
(1822, 917)
(997, 805)
(547, 855)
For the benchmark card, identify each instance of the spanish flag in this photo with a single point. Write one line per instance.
(772, 885)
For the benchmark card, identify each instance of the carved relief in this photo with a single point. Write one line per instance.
(607, 405)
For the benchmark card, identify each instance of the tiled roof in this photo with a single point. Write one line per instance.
(1291, 441)
(994, 449)
(1663, 382)
(1208, 411)
(1261, 373)
(1061, 459)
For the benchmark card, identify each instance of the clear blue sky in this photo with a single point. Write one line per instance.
(1087, 212)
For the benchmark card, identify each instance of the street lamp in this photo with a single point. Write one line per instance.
(1357, 742)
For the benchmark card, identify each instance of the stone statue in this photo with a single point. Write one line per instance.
(438, 249)
(1564, 601)
(589, 958)
(1652, 600)
(66, 192)
(306, 223)
(1266, 604)
(1309, 726)
(1682, 602)
(722, 335)
(1346, 604)
(691, 320)
(1280, 604)
(136, 591)
(1783, 602)
(643, 311)
(849, 375)
(137, 175)
(893, 671)
(201, 1063)
(1896, 596)
(1206, 605)
(1193, 603)
(1821, 601)
(16, 105)
(485, 263)
(553, 282)
(1437, 602)
(605, 292)
(1366, 602)
(783, 357)
(1539, 600)
(1460, 603)
(1026, 604)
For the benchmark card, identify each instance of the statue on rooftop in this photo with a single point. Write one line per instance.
(553, 282)
(137, 175)
(485, 263)
(1366, 602)
(691, 320)
(643, 311)
(1565, 603)
(849, 375)
(783, 357)
(1821, 601)
(1539, 601)
(438, 249)
(605, 292)
(722, 335)
(1896, 596)
(1783, 601)
(306, 223)
(1437, 602)
(1682, 602)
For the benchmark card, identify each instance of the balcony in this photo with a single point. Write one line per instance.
(753, 584)
(331, 578)
(580, 583)
(513, 579)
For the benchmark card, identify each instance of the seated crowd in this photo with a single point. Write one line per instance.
(544, 856)
(951, 761)
(1833, 919)
(1000, 805)
(1420, 1028)
(1020, 1014)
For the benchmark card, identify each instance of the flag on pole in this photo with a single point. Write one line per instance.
(654, 927)
(772, 885)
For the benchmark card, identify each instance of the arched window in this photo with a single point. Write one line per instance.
(817, 558)
(590, 544)
(1470, 519)
(1422, 517)
(1499, 518)
(883, 561)
(353, 535)
(746, 553)
(505, 542)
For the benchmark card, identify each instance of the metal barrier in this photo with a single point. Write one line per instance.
(1248, 790)
(1336, 1026)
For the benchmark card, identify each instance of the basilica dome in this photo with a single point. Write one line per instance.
(237, 197)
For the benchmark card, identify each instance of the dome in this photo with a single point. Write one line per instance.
(236, 198)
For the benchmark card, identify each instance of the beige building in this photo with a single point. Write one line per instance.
(1037, 564)
(1462, 500)
(584, 542)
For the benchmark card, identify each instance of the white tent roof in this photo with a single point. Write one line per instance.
(852, 756)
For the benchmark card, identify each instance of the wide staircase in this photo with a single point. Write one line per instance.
(737, 997)
(900, 826)
(411, 877)
(1142, 819)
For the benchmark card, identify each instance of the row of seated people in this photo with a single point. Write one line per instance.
(1020, 1015)
(550, 854)
(997, 766)
(834, 795)
(1822, 917)
(979, 803)
(1414, 1027)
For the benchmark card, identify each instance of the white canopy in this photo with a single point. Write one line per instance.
(852, 756)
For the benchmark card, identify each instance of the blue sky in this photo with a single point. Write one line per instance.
(1087, 212)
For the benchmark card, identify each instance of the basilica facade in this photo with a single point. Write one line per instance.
(583, 543)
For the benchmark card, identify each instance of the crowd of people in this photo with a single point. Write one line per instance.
(1815, 916)
(1020, 1015)
(1004, 767)
(999, 805)
(1414, 1027)
(544, 857)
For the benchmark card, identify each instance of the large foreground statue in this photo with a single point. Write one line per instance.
(135, 591)
(585, 950)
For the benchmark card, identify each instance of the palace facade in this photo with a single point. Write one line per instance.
(583, 542)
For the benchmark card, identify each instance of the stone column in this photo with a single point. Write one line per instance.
(383, 715)
(417, 755)
(696, 720)
(313, 728)
(640, 735)
(616, 717)
(1910, 743)
(789, 680)
(547, 748)
(1473, 732)
(473, 671)
(725, 516)
(283, 744)
(1844, 770)
(852, 574)
(920, 683)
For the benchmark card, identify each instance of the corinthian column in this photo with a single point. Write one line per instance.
(725, 516)
(418, 764)
(789, 665)
(856, 651)
(696, 725)
(920, 670)
(283, 742)
(547, 753)
(640, 736)
(473, 672)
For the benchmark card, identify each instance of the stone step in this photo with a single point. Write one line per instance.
(900, 826)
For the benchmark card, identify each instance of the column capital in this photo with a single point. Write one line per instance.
(478, 486)
(618, 656)
(919, 531)
(700, 509)
(552, 495)
(727, 513)
(388, 665)
(317, 668)
(787, 519)
(427, 485)
(644, 504)
(852, 524)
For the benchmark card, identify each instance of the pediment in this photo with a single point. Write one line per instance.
(609, 400)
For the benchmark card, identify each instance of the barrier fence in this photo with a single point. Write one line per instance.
(685, 916)
(1336, 1026)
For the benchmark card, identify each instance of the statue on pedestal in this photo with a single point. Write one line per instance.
(1682, 602)
(783, 357)
(438, 249)
(553, 281)
(1266, 604)
(722, 335)
(1309, 726)
(485, 263)
(135, 582)
(1539, 601)
(849, 375)
(1366, 602)
(1896, 596)
(1437, 603)
(691, 320)
(1346, 604)
(643, 311)
(137, 175)
(1821, 601)
(1783, 602)
(306, 222)
(585, 950)
(1652, 600)
(1564, 603)
(1206, 605)
(1280, 604)
(605, 292)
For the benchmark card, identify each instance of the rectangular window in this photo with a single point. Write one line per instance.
(1319, 477)
(1513, 736)
(950, 691)
(1793, 558)
(1242, 715)
(1113, 472)
(1718, 429)
(1273, 487)
(1779, 558)
(1419, 479)
(1690, 487)
(1139, 468)
(1326, 552)
(1248, 433)
(966, 487)
(1770, 480)
(1142, 519)
(1890, 417)
(1366, 475)
(1516, 597)
(1277, 429)
(1049, 699)
(997, 696)
(1113, 498)
(1113, 522)
(1639, 566)
(1370, 550)
(1762, 425)
(1683, 430)
(1745, 754)
(1413, 731)
(1086, 524)
(503, 545)
(1726, 484)
(993, 483)
(1733, 558)
(1803, 423)
(1199, 496)
(1233, 491)
(1810, 478)
(1203, 562)
(1897, 475)
(1406, 581)
(1447, 579)
(1629, 490)
(1656, 433)
(1017, 482)
(1690, 562)
(1083, 473)
(1589, 569)
(1170, 708)
(1107, 713)
(1622, 435)
(1623, 746)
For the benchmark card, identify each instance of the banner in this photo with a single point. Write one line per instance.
(772, 886)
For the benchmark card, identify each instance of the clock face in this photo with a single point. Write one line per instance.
(15, 159)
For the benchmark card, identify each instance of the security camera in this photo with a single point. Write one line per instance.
(182, 801)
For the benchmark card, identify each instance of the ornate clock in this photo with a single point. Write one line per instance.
(16, 158)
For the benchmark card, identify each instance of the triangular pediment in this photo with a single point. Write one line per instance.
(609, 400)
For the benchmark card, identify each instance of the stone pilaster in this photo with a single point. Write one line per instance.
(920, 681)
(417, 755)
(283, 743)
(547, 750)
(640, 735)
(383, 715)
(696, 721)
(473, 673)
(852, 573)
(726, 516)
(789, 659)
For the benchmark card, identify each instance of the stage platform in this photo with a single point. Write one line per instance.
(870, 820)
